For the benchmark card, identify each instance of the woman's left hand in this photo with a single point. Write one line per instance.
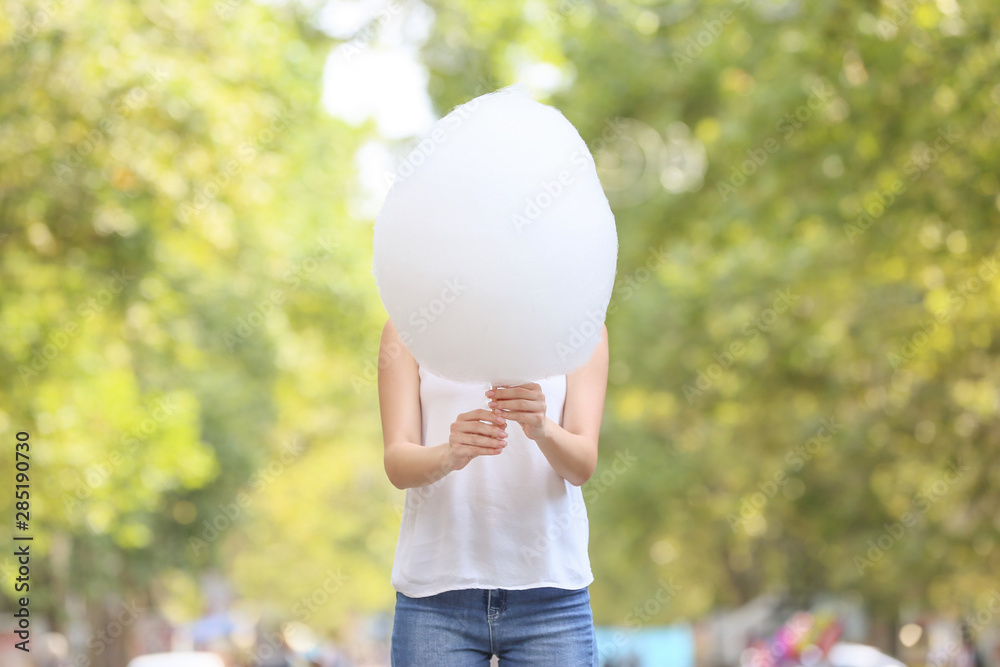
(523, 403)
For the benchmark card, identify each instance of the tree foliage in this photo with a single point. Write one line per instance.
(803, 389)
(848, 167)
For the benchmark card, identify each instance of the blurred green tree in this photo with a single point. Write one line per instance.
(803, 389)
(821, 177)
(182, 303)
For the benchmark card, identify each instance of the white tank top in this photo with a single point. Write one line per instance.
(505, 521)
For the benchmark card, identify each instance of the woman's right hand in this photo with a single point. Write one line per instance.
(470, 437)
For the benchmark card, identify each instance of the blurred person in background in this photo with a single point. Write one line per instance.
(970, 656)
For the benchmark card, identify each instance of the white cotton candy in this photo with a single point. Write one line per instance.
(495, 251)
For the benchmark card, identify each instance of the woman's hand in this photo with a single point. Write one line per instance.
(523, 403)
(470, 438)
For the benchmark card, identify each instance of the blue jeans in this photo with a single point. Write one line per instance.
(536, 627)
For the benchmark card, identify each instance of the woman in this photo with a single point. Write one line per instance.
(492, 556)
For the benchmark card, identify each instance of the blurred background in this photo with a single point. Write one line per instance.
(800, 444)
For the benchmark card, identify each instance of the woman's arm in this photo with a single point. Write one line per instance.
(407, 462)
(571, 449)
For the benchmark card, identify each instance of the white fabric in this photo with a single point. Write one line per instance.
(505, 521)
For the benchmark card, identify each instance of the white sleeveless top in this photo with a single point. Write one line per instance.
(504, 521)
